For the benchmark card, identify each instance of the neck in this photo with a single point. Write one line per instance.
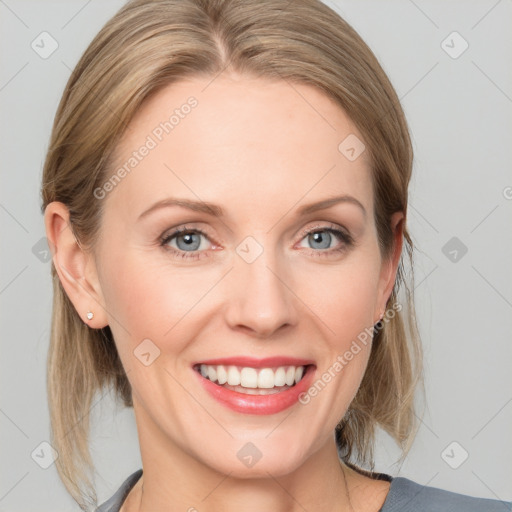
(175, 480)
(321, 484)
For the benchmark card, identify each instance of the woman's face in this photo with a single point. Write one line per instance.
(260, 260)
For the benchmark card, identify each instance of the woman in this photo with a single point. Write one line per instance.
(234, 178)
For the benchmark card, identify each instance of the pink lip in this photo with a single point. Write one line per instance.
(268, 362)
(258, 404)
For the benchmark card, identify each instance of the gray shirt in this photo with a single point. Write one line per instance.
(404, 496)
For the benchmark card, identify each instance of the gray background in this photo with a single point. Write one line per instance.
(459, 110)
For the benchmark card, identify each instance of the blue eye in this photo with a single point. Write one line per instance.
(188, 241)
(191, 243)
(185, 243)
(321, 238)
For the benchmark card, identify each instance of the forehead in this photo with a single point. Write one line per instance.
(251, 137)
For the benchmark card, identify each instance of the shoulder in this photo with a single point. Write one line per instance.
(114, 503)
(408, 496)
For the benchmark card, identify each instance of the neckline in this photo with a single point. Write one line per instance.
(132, 480)
(370, 474)
(376, 476)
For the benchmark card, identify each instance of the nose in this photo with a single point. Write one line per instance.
(259, 298)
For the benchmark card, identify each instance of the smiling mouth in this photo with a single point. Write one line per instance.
(253, 381)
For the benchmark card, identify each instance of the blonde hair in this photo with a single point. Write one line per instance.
(150, 44)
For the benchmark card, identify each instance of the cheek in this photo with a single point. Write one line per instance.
(148, 298)
(344, 297)
(346, 307)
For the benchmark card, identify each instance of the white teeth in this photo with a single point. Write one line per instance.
(222, 375)
(266, 379)
(233, 376)
(212, 373)
(298, 373)
(247, 377)
(290, 376)
(280, 377)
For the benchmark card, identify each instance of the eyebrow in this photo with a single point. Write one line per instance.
(327, 203)
(217, 211)
(197, 206)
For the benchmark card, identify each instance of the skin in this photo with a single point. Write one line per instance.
(260, 149)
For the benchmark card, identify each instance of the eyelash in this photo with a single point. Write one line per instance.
(182, 254)
(346, 238)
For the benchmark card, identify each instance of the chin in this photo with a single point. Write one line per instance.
(257, 459)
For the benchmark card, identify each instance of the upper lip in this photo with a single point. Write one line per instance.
(267, 362)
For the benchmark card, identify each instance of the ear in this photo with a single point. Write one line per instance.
(389, 266)
(75, 267)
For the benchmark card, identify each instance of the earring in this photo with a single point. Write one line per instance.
(90, 315)
(378, 325)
